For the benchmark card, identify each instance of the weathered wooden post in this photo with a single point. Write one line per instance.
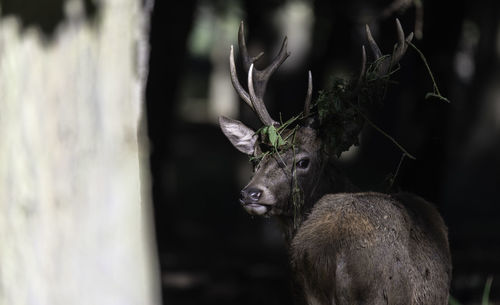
(75, 210)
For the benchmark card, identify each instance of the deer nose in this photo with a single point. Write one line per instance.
(251, 194)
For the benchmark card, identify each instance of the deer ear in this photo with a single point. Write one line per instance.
(241, 136)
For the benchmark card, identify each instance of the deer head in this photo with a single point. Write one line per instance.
(289, 159)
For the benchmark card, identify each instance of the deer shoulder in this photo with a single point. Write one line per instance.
(389, 249)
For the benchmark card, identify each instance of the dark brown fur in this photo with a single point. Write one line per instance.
(348, 248)
(361, 248)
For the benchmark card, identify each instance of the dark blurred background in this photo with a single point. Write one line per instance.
(211, 251)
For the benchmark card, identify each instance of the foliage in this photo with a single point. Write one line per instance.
(342, 104)
(339, 117)
(274, 140)
(485, 300)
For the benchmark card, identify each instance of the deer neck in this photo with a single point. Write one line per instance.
(330, 181)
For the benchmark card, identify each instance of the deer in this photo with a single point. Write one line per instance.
(345, 246)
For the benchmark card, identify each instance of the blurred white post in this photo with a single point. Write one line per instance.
(75, 210)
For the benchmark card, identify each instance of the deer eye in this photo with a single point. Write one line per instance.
(303, 163)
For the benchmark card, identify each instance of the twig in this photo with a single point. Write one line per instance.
(405, 152)
(436, 92)
(393, 179)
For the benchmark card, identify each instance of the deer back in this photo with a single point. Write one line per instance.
(388, 249)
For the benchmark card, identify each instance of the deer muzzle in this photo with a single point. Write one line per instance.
(252, 199)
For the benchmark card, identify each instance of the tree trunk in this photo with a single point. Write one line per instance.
(74, 195)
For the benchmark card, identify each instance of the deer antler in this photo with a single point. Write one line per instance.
(386, 65)
(307, 103)
(342, 104)
(257, 79)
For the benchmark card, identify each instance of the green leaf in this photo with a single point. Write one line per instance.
(486, 291)
(273, 136)
(281, 142)
(453, 301)
(264, 131)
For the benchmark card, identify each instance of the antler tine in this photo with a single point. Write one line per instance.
(265, 74)
(373, 45)
(401, 34)
(363, 65)
(402, 45)
(234, 80)
(261, 76)
(307, 103)
(399, 49)
(247, 60)
(258, 103)
(257, 78)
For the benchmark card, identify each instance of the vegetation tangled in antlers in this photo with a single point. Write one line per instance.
(341, 107)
